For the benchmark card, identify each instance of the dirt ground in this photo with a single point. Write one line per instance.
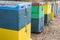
(51, 32)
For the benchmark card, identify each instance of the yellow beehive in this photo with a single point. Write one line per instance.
(47, 8)
(52, 16)
(12, 35)
(28, 27)
(52, 12)
(6, 34)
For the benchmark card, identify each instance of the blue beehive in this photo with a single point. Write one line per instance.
(12, 16)
(20, 18)
(27, 12)
(57, 11)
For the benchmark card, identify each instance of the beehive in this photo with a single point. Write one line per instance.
(52, 11)
(37, 18)
(47, 11)
(14, 23)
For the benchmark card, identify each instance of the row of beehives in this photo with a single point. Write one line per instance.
(19, 19)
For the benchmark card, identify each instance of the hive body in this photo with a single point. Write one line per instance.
(37, 20)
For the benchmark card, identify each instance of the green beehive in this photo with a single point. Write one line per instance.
(41, 10)
(37, 10)
(37, 20)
